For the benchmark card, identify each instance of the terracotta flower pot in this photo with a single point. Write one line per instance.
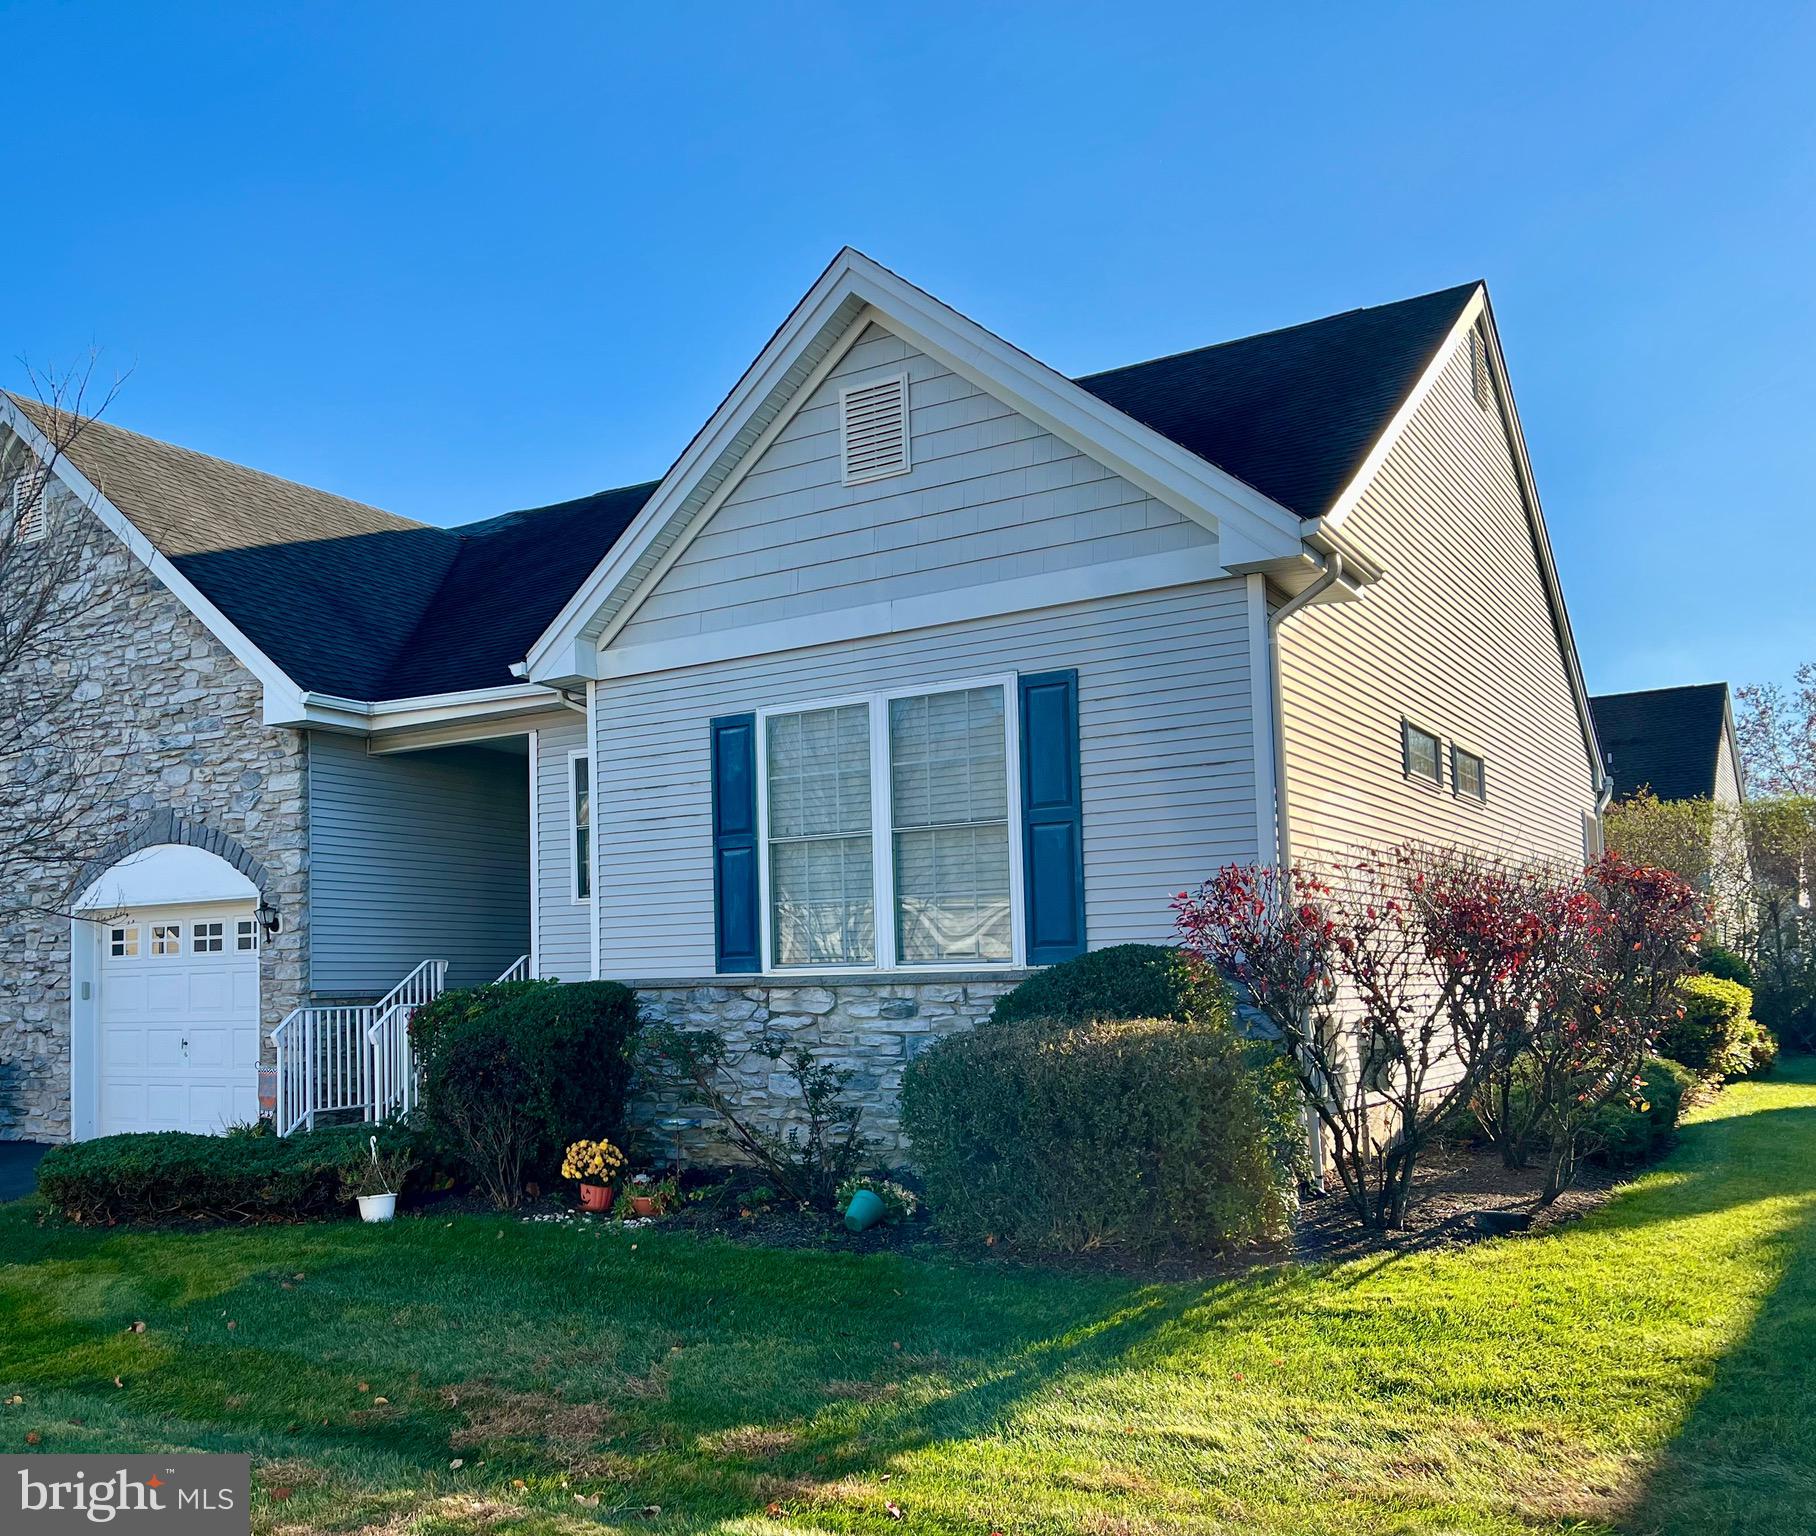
(596, 1197)
(644, 1205)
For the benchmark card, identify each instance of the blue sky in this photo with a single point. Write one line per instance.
(459, 259)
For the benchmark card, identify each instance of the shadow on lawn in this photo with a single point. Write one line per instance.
(1744, 1458)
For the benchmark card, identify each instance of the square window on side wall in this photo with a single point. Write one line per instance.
(1468, 774)
(1421, 753)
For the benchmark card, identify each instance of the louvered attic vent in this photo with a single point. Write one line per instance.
(873, 429)
(1479, 377)
(30, 515)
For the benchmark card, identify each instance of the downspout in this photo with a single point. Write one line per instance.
(1331, 574)
(1327, 578)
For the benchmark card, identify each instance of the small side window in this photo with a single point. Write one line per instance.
(580, 809)
(1421, 754)
(1467, 775)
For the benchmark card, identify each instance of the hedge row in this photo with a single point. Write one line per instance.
(161, 1176)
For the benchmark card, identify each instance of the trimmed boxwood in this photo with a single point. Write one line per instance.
(513, 1072)
(1052, 1136)
(161, 1176)
(1125, 981)
(1717, 1036)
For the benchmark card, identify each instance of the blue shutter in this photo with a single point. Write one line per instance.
(737, 932)
(1053, 853)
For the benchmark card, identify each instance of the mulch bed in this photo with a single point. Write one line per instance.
(1463, 1196)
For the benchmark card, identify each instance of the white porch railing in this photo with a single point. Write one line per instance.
(519, 971)
(351, 1058)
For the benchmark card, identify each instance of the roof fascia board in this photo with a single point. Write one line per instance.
(1541, 540)
(330, 712)
(1196, 488)
(1333, 517)
(281, 692)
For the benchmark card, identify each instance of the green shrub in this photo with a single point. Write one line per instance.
(1142, 1135)
(513, 1072)
(1753, 1053)
(176, 1176)
(1708, 1038)
(1787, 1009)
(1717, 960)
(1126, 981)
(1632, 1129)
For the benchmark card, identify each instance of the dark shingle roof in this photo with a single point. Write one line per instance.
(1295, 412)
(1662, 739)
(351, 600)
(345, 598)
(517, 571)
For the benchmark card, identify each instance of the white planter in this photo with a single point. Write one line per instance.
(377, 1207)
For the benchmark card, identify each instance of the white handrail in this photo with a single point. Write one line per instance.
(351, 1057)
(519, 970)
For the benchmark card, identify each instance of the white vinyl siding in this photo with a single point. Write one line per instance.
(564, 949)
(1166, 757)
(414, 856)
(990, 497)
(1459, 638)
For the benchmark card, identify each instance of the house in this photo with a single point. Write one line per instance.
(923, 665)
(1674, 743)
(1678, 744)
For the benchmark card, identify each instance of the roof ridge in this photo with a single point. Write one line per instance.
(31, 406)
(467, 530)
(1281, 330)
(1633, 693)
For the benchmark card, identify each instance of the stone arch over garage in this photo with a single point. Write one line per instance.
(165, 826)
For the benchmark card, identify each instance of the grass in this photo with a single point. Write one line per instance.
(1651, 1368)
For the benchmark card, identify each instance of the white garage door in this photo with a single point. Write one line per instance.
(179, 1019)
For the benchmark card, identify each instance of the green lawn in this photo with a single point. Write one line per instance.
(1650, 1369)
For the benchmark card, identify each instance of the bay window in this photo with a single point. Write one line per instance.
(887, 829)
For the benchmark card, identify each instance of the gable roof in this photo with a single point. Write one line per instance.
(1292, 412)
(339, 594)
(352, 601)
(1667, 740)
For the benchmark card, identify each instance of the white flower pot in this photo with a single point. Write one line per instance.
(377, 1207)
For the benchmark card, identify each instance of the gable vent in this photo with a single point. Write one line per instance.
(1478, 366)
(31, 516)
(873, 429)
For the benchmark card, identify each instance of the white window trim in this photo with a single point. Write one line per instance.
(572, 829)
(882, 839)
(890, 471)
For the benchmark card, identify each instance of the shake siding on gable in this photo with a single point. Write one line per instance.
(564, 949)
(1458, 638)
(990, 497)
(1166, 757)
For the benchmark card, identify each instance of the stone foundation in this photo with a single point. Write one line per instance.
(872, 1028)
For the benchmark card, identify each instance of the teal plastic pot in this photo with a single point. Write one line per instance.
(865, 1210)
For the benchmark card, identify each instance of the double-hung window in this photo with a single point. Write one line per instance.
(887, 824)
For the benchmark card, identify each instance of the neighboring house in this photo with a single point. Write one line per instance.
(1678, 744)
(923, 665)
(1674, 743)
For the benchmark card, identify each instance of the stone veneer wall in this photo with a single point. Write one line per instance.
(872, 1028)
(169, 738)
